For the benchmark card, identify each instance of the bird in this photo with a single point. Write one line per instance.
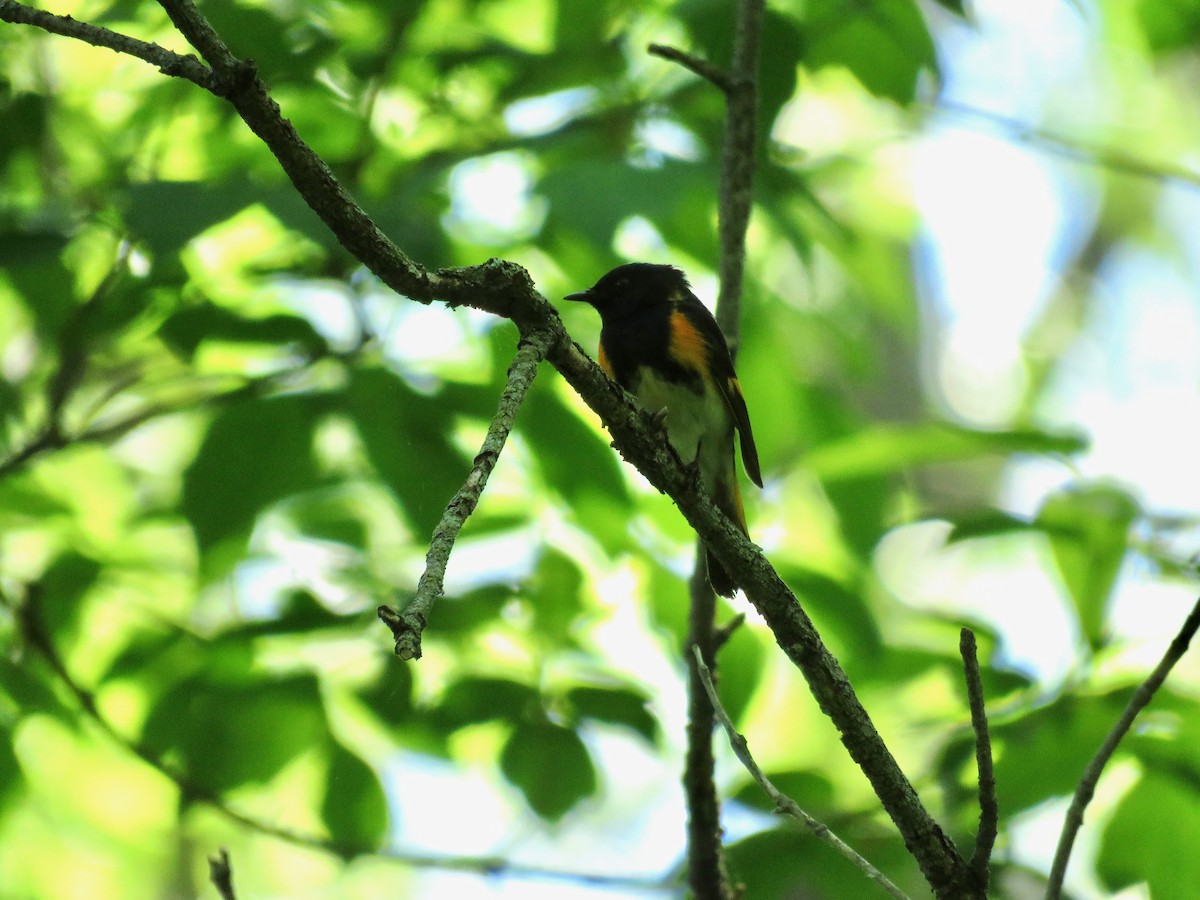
(662, 345)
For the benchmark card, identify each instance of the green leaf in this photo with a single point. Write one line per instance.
(226, 735)
(256, 452)
(812, 791)
(62, 588)
(885, 449)
(11, 777)
(389, 696)
(1041, 754)
(551, 767)
(838, 610)
(187, 328)
(983, 523)
(616, 706)
(740, 667)
(469, 701)
(354, 809)
(1152, 838)
(407, 436)
(555, 594)
(886, 47)
(1088, 527)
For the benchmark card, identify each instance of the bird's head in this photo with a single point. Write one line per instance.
(634, 286)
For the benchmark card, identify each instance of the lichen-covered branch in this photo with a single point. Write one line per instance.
(407, 626)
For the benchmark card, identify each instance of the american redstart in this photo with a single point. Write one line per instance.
(660, 343)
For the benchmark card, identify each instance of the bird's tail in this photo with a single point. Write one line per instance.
(728, 497)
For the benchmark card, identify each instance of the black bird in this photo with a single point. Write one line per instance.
(660, 343)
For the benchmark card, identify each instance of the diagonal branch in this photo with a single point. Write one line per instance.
(1086, 788)
(407, 626)
(783, 803)
(989, 811)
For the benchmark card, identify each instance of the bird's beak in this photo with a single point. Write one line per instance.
(580, 297)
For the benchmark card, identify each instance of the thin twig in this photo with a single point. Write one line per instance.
(1086, 788)
(407, 626)
(220, 873)
(989, 811)
(702, 67)
(783, 803)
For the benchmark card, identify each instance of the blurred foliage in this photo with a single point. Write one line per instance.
(224, 444)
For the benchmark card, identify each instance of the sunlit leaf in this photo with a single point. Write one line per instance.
(1088, 526)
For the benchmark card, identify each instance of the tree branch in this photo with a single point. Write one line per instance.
(702, 67)
(989, 811)
(407, 626)
(505, 289)
(220, 873)
(164, 60)
(783, 803)
(1086, 788)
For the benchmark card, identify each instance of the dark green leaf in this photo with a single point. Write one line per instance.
(982, 523)
(551, 767)
(1088, 526)
(186, 329)
(616, 706)
(389, 696)
(886, 47)
(354, 809)
(226, 735)
(838, 610)
(812, 791)
(1042, 754)
(256, 452)
(555, 594)
(408, 440)
(62, 588)
(472, 700)
(1151, 838)
(740, 667)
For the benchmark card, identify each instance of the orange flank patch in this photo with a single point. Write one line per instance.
(687, 346)
(602, 358)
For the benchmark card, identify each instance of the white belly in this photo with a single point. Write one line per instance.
(688, 421)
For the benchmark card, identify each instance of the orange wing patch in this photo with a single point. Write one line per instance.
(688, 346)
(602, 358)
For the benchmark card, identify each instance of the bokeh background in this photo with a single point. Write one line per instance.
(971, 351)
